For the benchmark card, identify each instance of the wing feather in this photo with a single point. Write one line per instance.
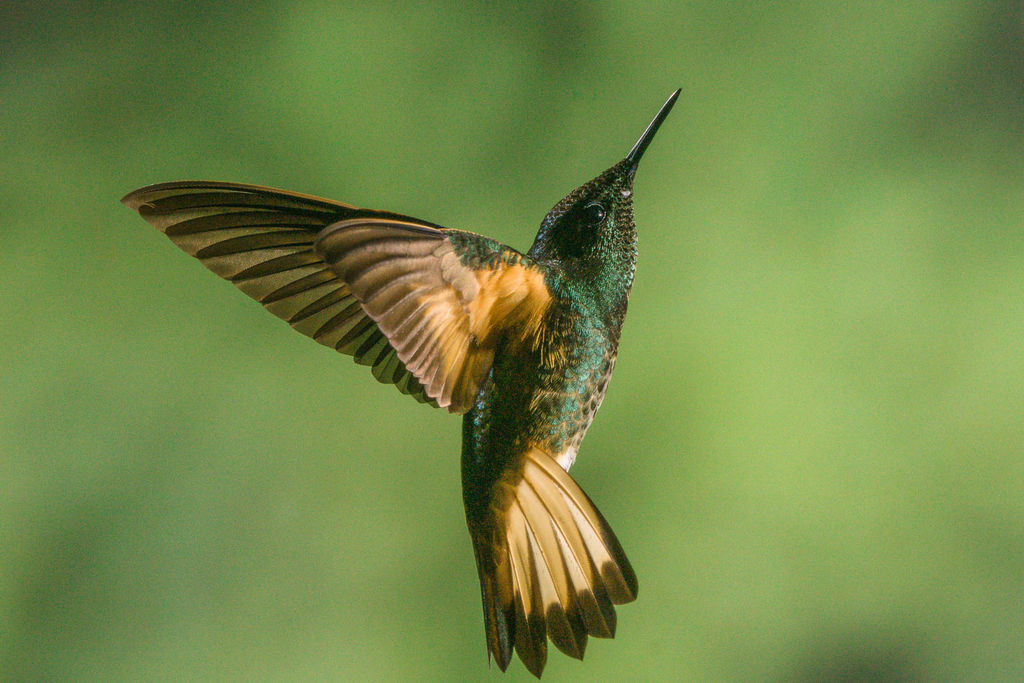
(261, 240)
(443, 298)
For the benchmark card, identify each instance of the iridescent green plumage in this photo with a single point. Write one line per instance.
(523, 344)
(538, 402)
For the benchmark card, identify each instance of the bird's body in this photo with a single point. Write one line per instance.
(522, 344)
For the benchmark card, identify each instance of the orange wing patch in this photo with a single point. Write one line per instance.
(509, 296)
(443, 318)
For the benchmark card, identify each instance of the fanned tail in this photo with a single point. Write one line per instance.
(549, 564)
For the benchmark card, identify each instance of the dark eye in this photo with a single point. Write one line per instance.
(593, 213)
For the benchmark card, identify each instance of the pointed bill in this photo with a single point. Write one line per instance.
(641, 145)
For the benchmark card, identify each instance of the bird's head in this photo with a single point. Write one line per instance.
(589, 236)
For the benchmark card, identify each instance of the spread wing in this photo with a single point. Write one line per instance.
(443, 298)
(425, 307)
(261, 240)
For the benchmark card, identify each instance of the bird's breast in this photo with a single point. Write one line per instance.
(566, 394)
(546, 396)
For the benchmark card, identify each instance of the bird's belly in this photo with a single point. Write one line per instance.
(528, 404)
(575, 410)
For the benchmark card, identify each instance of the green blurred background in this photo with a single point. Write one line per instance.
(813, 450)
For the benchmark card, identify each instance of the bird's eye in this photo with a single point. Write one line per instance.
(593, 213)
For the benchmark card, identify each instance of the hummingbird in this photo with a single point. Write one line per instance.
(521, 345)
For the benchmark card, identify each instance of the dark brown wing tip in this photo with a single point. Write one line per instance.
(137, 198)
(134, 199)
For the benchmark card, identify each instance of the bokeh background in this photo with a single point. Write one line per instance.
(813, 449)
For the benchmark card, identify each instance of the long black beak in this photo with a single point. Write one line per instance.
(641, 145)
